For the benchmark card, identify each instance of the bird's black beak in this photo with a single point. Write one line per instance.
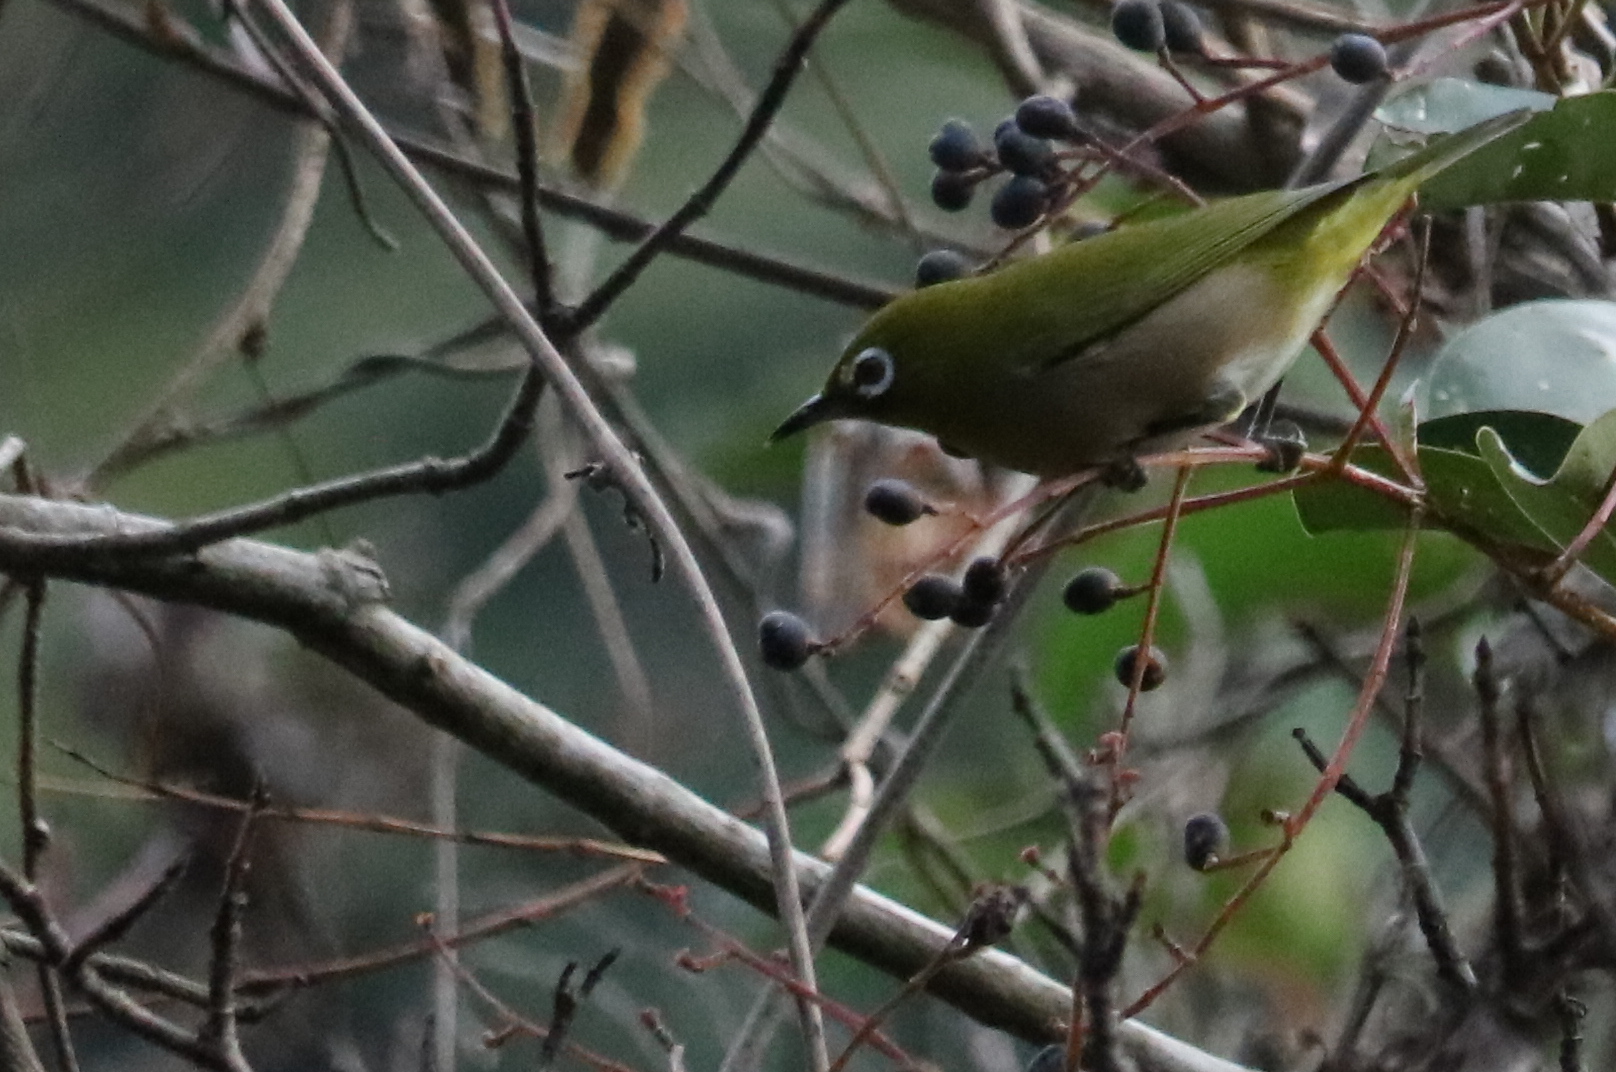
(812, 412)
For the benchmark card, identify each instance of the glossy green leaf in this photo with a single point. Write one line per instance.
(1554, 357)
(1467, 496)
(1446, 104)
(1567, 154)
(1342, 506)
(1562, 505)
(1464, 491)
(1538, 440)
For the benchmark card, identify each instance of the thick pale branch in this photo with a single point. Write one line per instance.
(336, 606)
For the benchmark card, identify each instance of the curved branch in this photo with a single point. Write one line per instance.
(336, 607)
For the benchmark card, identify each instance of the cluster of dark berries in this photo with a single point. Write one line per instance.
(1023, 147)
(961, 164)
(1154, 25)
(1096, 590)
(1174, 27)
(967, 602)
(970, 600)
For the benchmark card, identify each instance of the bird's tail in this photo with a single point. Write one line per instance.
(1358, 209)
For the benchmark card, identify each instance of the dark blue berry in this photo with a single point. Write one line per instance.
(1093, 591)
(951, 191)
(1019, 202)
(1358, 58)
(984, 581)
(1021, 153)
(955, 148)
(1139, 25)
(969, 614)
(895, 501)
(784, 640)
(941, 266)
(1181, 28)
(1044, 116)
(1155, 667)
(1205, 837)
(933, 596)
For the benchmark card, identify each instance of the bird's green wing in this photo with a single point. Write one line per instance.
(1086, 292)
(1064, 302)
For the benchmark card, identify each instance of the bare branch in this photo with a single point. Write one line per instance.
(768, 105)
(307, 596)
(624, 468)
(613, 223)
(16, 1050)
(1506, 864)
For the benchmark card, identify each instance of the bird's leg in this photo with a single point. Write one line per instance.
(1262, 417)
(1283, 439)
(1125, 474)
(1285, 443)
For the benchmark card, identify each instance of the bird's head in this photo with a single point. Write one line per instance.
(859, 386)
(872, 379)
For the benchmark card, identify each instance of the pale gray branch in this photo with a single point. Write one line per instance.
(619, 462)
(335, 605)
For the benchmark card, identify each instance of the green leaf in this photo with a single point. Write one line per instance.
(1466, 495)
(1567, 154)
(1443, 105)
(1539, 440)
(1587, 466)
(1463, 490)
(1562, 505)
(1342, 506)
(1550, 356)
(1404, 426)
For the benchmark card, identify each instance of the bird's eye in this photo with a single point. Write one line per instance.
(872, 373)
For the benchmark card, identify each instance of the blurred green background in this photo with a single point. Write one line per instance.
(135, 198)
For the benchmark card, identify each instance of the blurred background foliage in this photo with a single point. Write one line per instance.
(136, 194)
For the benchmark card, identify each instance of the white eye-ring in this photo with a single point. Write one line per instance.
(872, 373)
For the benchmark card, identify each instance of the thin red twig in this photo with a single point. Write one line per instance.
(1147, 636)
(1562, 564)
(1293, 825)
(1360, 402)
(1405, 332)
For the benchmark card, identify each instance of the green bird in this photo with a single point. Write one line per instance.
(1129, 342)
